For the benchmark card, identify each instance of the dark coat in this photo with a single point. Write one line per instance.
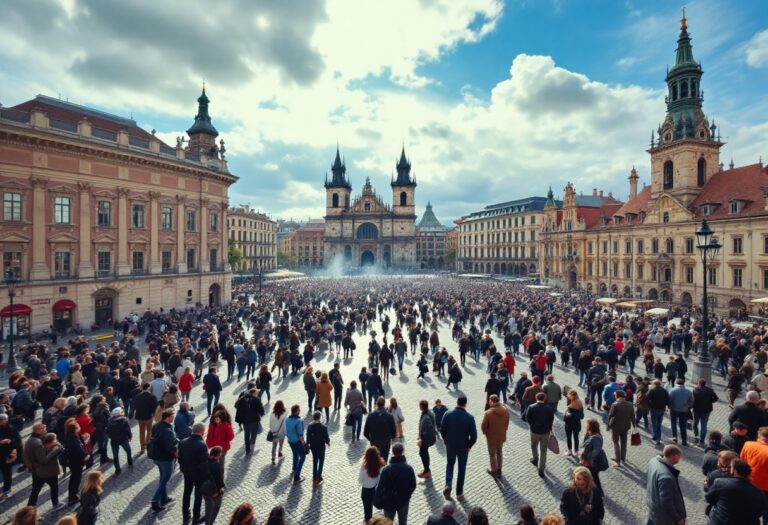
(89, 508)
(458, 429)
(119, 429)
(380, 427)
(574, 512)
(212, 383)
(735, 501)
(167, 440)
(144, 405)
(317, 437)
(540, 417)
(249, 409)
(75, 449)
(193, 457)
(749, 414)
(396, 484)
(703, 399)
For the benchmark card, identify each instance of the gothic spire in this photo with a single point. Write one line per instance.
(339, 170)
(403, 168)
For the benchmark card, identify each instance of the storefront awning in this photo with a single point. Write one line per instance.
(606, 300)
(63, 305)
(18, 309)
(657, 311)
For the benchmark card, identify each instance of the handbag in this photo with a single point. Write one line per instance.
(552, 444)
(348, 420)
(635, 438)
(272, 435)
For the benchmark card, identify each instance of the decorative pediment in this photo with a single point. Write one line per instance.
(62, 237)
(14, 237)
(140, 197)
(214, 241)
(105, 194)
(61, 188)
(13, 185)
(104, 238)
(668, 204)
(138, 239)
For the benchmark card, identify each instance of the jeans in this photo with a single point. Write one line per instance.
(310, 401)
(297, 448)
(367, 496)
(185, 395)
(37, 485)
(191, 484)
(250, 370)
(7, 471)
(250, 430)
(400, 358)
(357, 425)
(657, 416)
(213, 400)
(424, 455)
(265, 390)
(166, 470)
(212, 506)
(679, 419)
(539, 449)
(318, 459)
(453, 455)
(277, 446)
(700, 419)
(582, 377)
(402, 514)
(116, 453)
(572, 438)
(596, 391)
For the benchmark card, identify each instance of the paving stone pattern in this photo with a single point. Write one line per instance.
(126, 499)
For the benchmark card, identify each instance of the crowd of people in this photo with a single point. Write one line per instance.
(80, 403)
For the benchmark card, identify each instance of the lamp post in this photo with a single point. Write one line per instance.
(702, 366)
(261, 280)
(11, 281)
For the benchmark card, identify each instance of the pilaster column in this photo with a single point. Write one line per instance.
(40, 268)
(154, 233)
(224, 237)
(204, 225)
(181, 256)
(85, 266)
(123, 268)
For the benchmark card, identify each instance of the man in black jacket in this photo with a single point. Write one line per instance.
(734, 499)
(144, 405)
(750, 414)
(396, 485)
(317, 439)
(374, 386)
(250, 411)
(658, 399)
(703, 399)
(165, 450)
(193, 463)
(380, 428)
(119, 433)
(540, 417)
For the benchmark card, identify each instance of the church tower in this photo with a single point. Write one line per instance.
(338, 189)
(687, 151)
(404, 189)
(202, 134)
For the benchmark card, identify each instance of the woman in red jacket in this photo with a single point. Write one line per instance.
(220, 434)
(186, 381)
(86, 426)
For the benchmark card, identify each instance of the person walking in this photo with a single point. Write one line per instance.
(338, 385)
(213, 488)
(164, 453)
(193, 462)
(735, 499)
(41, 457)
(459, 433)
(370, 472)
(120, 435)
(427, 437)
(374, 387)
(621, 418)
(582, 501)
(380, 428)
(574, 413)
(540, 418)
(264, 381)
(494, 426)
(182, 423)
(323, 390)
(186, 381)
(77, 456)
(310, 387)
(220, 433)
(144, 406)
(454, 376)
(593, 454)
(657, 399)
(553, 391)
(249, 412)
(277, 427)
(680, 402)
(664, 498)
(90, 497)
(397, 483)
(294, 432)
(317, 439)
(397, 413)
(355, 403)
(703, 400)
(213, 388)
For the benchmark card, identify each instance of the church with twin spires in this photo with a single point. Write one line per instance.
(364, 230)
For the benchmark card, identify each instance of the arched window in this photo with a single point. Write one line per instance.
(674, 91)
(668, 170)
(367, 231)
(701, 172)
(403, 198)
(665, 217)
(684, 89)
(335, 200)
(367, 206)
(694, 89)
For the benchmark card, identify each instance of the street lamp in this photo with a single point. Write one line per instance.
(708, 248)
(11, 281)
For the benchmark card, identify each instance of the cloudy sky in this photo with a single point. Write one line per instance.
(494, 100)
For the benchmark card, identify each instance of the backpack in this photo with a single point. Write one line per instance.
(428, 431)
(114, 431)
(154, 447)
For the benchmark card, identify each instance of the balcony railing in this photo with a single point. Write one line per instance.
(170, 270)
(139, 271)
(104, 274)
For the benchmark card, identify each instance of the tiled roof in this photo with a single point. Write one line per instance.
(634, 206)
(746, 183)
(595, 201)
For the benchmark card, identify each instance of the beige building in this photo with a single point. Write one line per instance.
(430, 241)
(366, 231)
(307, 245)
(502, 238)
(255, 235)
(101, 218)
(646, 248)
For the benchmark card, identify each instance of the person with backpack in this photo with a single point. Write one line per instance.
(397, 483)
(494, 425)
(163, 449)
(427, 437)
(120, 435)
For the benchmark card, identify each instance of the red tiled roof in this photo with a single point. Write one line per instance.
(637, 204)
(746, 183)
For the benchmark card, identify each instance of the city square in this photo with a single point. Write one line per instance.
(218, 230)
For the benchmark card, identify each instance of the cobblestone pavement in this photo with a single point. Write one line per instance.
(127, 498)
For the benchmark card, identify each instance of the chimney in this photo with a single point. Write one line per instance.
(601, 194)
(633, 183)
(610, 194)
(594, 192)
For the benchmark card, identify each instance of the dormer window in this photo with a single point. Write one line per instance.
(736, 206)
(706, 210)
(617, 220)
(630, 217)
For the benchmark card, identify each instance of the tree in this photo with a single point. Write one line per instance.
(286, 260)
(450, 257)
(235, 257)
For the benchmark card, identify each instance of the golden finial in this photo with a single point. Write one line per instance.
(683, 22)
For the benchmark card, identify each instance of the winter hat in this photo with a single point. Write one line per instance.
(536, 380)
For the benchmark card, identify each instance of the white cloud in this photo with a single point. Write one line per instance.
(270, 166)
(756, 50)
(627, 61)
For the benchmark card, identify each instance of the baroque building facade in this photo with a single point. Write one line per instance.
(365, 231)
(254, 234)
(101, 218)
(646, 248)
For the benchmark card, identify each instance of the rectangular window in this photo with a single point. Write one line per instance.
(214, 254)
(190, 260)
(655, 246)
(138, 261)
(765, 279)
(589, 247)
(137, 216)
(62, 210)
(737, 242)
(628, 247)
(615, 269)
(689, 274)
(166, 259)
(605, 246)
(533, 236)
(533, 219)
(653, 273)
(689, 246)
(765, 245)
(737, 277)
(104, 213)
(628, 271)
(712, 273)
(166, 218)
(12, 263)
(640, 271)
(214, 222)
(640, 246)
(104, 262)
(191, 220)
(12, 207)
(615, 246)
(605, 269)
(589, 268)
(63, 264)
(522, 236)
